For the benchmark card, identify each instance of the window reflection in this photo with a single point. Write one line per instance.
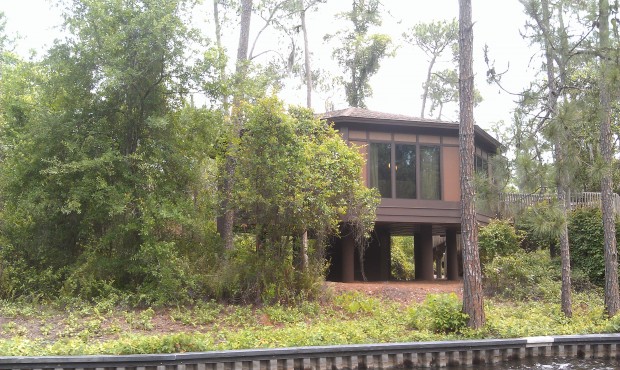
(405, 171)
(430, 178)
(380, 176)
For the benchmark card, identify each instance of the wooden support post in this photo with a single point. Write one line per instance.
(452, 263)
(385, 268)
(348, 258)
(423, 251)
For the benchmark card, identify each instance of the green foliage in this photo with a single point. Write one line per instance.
(443, 89)
(613, 325)
(293, 173)
(523, 276)
(514, 319)
(360, 53)
(498, 238)
(436, 39)
(3, 37)
(440, 313)
(355, 302)
(104, 169)
(541, 225)
(279, 314)
(585, 232)
(349, 318)
(202, 314)
(402, 258)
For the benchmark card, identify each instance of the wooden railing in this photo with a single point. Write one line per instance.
(511, 203)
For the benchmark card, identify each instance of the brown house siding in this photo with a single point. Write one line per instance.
(451, 185)
(363, 149)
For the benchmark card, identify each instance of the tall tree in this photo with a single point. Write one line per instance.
(221, 51)
(308, 81)
(307, 65)
(434, 39)
(108, 179)
(3, 36)
(296, 185)
(472, 273)
(612, 297)
(563, 114)
(360, 53)
(544, 22)
(227, 221)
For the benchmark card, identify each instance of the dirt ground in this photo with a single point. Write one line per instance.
(405, 292)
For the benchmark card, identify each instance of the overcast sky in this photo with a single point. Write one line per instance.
(398, 85)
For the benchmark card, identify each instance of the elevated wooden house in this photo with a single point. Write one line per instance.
(414, 163)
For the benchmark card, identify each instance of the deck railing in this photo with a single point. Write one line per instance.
(512, 203)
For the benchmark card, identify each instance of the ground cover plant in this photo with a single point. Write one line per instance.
(62, 328)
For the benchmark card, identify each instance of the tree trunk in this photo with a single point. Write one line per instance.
(428, 81)
(564, 249)
(224, 226)
(562, 182)
(472, 274)
(218, 41)
(304, 29)
(244, 34)
(227, 226)
(612, 299)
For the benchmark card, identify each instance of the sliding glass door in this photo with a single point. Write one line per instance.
(405, 171)
(380, 162)
(430, 179)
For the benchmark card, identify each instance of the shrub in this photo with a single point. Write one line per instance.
(356, 302)
(539, 225)
(613, 325)
(265, 276)
(441, 313)
(498, 238)
(585, 232)
(402, 258)
(523, 276)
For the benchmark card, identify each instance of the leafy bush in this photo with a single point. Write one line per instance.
(440, 313)
(585, 232)
(523, 276)
(356, 302)
(402, 258)
(498, 238)
(266, 276)
(279, 314)
(540, 225)
(613, 325)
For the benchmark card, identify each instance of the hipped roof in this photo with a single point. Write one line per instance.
(365, 118)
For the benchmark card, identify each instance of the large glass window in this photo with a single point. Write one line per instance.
(430, 178)
(482, 166)
(405, 171)
(380, 174)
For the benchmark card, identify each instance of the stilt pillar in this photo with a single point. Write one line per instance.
(452, 262)
(423, 251)
(348, 258)
(385, 267)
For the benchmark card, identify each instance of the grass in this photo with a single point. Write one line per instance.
(349, 318)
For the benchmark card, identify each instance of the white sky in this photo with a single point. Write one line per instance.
(398, 85)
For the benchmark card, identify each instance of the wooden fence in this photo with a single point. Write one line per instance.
(512, 203)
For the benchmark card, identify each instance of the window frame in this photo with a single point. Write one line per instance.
(417, 145)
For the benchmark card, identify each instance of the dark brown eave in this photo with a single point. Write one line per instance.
(422, 126)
